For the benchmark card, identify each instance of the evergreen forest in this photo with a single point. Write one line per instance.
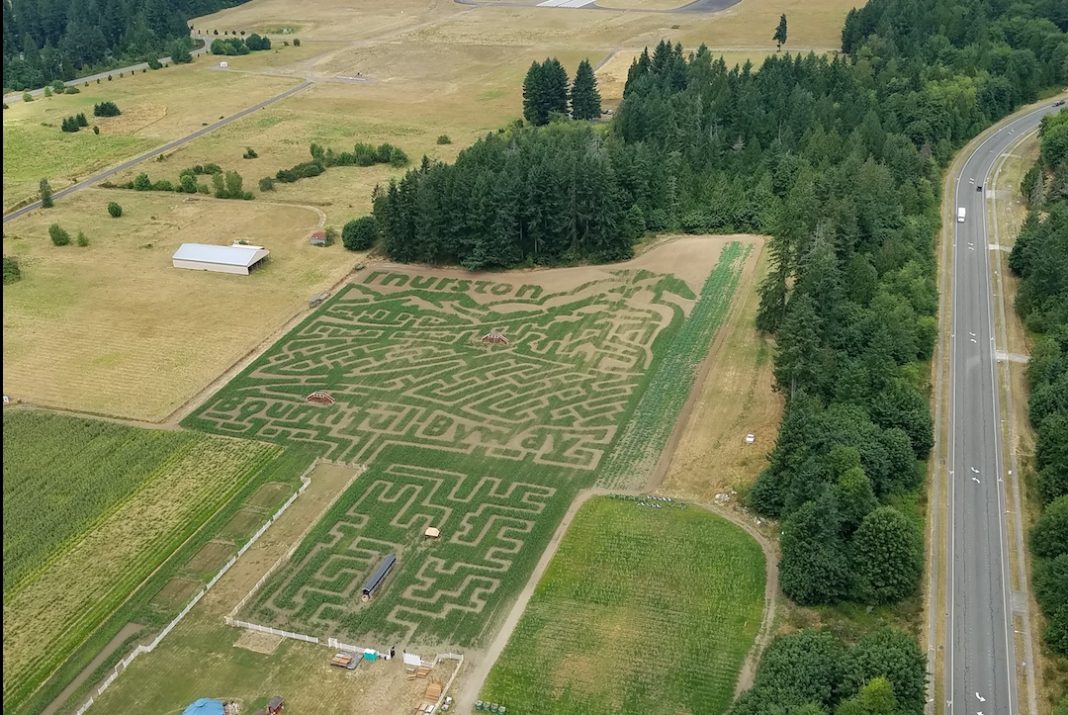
(46, 40)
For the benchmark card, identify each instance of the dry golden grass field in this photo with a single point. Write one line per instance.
(156, 107)
(125, 338)
(115, 329)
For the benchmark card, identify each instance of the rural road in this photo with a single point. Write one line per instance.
(152, 153)
(980, 660)
(17, 96)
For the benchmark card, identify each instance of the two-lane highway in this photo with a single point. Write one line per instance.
(980, 661)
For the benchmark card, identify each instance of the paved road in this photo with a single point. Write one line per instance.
(97, 178)
(980, 666)
(13, 97)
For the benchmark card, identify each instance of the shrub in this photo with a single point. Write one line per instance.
(106, 109)
(109, 78)
(296, 42)
(397, 158)
(82, 121)
(69, 124)
(114, 210)
(331, 236)
(360, 234)
(12, 274)
(27, 97)
(72, 90)
(96, 129)
(444, 139)
(180, 54)
(250, 153)
(154, 64)
(57, 85)
(266, 184)
(142, 183)
(48, 91)
(82, 240)
(58, 235)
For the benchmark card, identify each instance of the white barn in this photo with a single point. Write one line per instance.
(238, 258)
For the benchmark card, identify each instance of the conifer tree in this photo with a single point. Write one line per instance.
(585, 99)
(780, 33)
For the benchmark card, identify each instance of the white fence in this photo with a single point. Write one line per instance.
(272, 631)
(125, 662)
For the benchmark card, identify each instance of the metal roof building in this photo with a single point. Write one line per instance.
(237, 258)
(378, 576)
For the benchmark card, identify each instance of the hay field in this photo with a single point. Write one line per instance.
(620, 623)
(114, 329)
(156, 107)
(487, 442)
(147, 493)
(427, 68)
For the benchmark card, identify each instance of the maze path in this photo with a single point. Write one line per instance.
(408, 367)
(485, 522)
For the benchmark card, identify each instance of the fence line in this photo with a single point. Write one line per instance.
(151, 646)
(360, 469)
(272, 631)
(445, 691)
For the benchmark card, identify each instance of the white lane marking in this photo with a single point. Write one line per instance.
(980, 698)
(976, 480)
(974, 470)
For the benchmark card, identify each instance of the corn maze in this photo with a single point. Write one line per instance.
(486, 440)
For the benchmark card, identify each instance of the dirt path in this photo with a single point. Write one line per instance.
(771, 593)
(482, 661)
(746, 286)
(128, 630)
(328, 482)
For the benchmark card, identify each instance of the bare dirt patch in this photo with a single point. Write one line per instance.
(176, 593)
(210, 558)
(263, 643)
(270, 496)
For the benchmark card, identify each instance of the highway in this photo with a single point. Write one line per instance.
(980, 660)
(152, 153)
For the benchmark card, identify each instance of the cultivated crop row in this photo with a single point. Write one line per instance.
(622, 622)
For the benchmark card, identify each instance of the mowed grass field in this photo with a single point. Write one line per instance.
(629, 619)
(91, 510)
(156, 106)
(114, 329)
(488, 443)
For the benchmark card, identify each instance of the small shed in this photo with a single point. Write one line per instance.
(224, 64)
(237, 259)
(317, 238)
(378, 576)
(432, 533)
(318, 298)
(494, 337)
(276, 705)
(205, 706)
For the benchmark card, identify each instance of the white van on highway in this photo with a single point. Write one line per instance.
(960, 215)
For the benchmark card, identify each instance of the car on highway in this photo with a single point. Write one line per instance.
(979, 187)
(960, 215)
(1060, 103)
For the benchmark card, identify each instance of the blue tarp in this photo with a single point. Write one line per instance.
(204, 706)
